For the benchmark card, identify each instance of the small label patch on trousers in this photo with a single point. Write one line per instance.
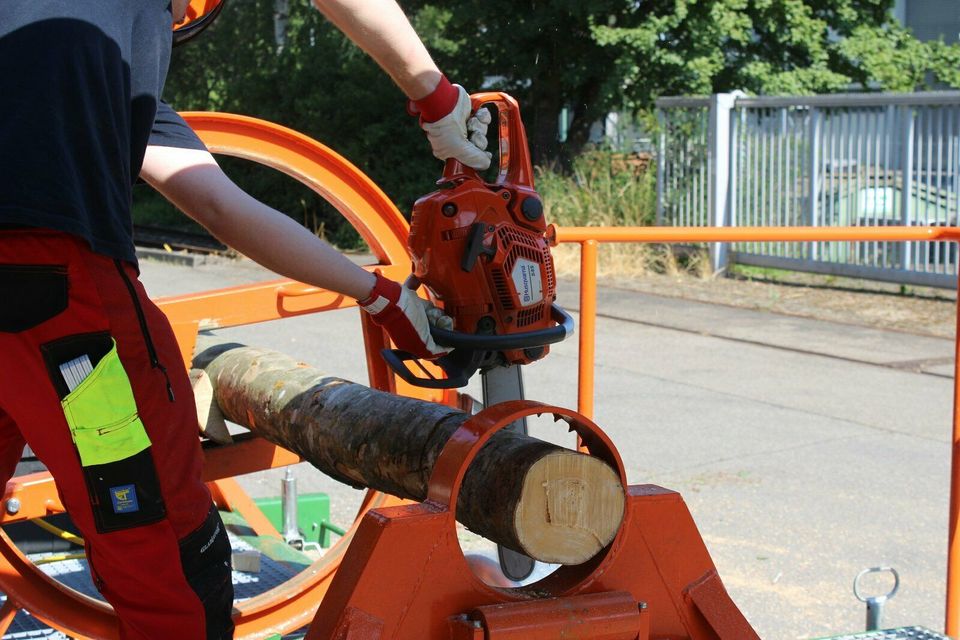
(124, 498)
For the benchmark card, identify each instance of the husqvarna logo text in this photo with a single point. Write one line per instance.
(527, 282)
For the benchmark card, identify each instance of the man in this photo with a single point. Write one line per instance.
(88, 365)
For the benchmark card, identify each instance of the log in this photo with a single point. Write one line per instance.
(551, 503)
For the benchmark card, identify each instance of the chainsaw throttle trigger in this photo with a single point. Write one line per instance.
(475, 246)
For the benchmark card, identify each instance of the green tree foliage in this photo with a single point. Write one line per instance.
(621, 54)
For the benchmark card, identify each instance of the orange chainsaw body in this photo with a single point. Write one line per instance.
(481, 246)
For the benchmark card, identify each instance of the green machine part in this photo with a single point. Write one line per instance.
(313, 516)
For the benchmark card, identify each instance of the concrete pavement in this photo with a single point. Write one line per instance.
(805, 450)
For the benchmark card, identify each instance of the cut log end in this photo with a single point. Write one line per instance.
(571, 507)
(212, 423)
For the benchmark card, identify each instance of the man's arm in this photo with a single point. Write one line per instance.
(193, 181)
(380, 28)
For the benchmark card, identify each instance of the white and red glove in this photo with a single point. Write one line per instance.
(406, 317)
(445, 116)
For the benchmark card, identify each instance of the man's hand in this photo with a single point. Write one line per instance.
(445, 116)
(406, 317)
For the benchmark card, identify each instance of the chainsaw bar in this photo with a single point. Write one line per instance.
(502, 384)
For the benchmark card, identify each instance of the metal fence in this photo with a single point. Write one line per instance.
(837, 160)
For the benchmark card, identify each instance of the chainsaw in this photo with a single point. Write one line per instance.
(481, 249)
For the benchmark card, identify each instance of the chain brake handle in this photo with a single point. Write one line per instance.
(515, 167)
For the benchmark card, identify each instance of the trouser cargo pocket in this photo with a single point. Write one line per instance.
(110, 439)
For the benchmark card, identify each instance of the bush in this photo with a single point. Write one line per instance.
(601, 190)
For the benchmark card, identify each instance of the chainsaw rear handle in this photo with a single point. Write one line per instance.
(510, 341)
(515, 166)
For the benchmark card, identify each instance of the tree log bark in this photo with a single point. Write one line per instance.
(554, 504)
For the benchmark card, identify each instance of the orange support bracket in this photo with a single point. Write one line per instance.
(653, 565)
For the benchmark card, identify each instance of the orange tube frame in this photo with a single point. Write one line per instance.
(589, 237)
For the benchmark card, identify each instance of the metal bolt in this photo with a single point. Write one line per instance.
(477, 624)
(449, 209)
(13, 506)
(642, 605)
(505, 195)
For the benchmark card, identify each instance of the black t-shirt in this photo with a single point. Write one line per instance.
(81, 84)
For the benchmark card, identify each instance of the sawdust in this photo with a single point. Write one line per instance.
(917, 310)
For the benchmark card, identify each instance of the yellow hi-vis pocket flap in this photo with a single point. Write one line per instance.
(102, 415)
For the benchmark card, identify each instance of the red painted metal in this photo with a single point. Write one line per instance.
(611, 615)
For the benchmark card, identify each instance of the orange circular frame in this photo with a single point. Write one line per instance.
(291, 605)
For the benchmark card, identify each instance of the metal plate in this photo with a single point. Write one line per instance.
(903, 633)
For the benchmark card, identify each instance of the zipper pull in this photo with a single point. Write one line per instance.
(169, 386)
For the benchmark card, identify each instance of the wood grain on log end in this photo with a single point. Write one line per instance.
(570, 508)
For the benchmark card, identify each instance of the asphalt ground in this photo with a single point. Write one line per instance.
(805, 450)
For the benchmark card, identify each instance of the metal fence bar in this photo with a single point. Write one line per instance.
(661, 165)
(907, 184)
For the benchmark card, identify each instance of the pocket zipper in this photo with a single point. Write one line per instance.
(142, 318)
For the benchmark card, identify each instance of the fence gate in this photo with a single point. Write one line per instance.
(832, 160)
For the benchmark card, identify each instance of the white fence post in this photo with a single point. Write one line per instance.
(907, 143)
(813, 203)
(719, 152)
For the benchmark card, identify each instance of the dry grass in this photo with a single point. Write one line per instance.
(634, 261)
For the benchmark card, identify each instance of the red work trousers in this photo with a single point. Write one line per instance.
(157, 548)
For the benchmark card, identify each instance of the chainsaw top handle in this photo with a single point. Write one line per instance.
(515, 165)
